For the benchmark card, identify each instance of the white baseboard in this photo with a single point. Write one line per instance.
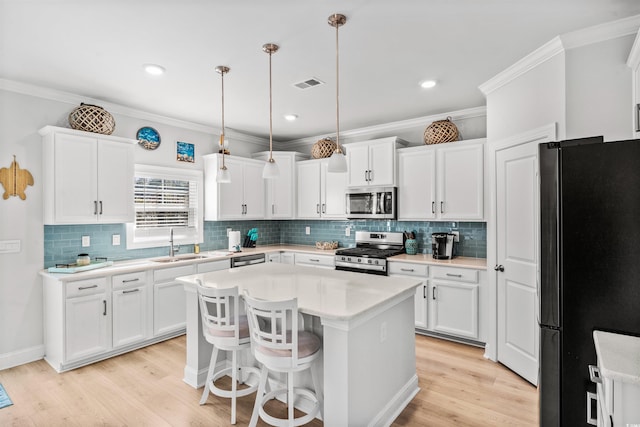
(20, 357)
(390, 412)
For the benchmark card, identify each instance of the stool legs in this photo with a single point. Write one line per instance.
(264, 376)
(212, 367)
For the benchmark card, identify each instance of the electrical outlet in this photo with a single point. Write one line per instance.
(307, 230)
(86, 241)
(456, 237)
(347, 231)
(228, 230)
(115, 240)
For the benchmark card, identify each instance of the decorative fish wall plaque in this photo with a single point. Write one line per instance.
(15, 180)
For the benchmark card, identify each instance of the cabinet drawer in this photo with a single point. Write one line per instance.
(129, 280)
(408, 269)
(171, 273)
(213, 266)
(457, 274)
(321, 260)
(86, 287)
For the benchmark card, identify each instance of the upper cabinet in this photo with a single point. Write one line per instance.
(280, 192)
(441, 182)
(242, 198)
(373, 162)
(320, 194)
(87, 177)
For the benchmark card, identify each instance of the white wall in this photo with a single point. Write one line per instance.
(599, 90)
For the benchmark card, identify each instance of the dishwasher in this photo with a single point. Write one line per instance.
(244, 260)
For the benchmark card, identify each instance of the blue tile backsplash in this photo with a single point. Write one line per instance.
(62, 243)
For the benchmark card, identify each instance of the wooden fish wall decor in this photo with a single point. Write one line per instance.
(15, 180)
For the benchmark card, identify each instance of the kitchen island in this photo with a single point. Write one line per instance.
(366, 323)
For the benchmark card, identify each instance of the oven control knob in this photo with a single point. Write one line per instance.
(369, 261)
(359, 259)
(349, 259)
(376, 262)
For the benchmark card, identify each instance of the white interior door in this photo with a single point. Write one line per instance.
(517, 258)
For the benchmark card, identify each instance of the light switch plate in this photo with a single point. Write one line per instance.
(457, 236)
(307, 230)
(115, 240)
(9, 246)
(347, 231)
(86, 241)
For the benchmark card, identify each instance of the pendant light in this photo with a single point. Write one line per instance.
(270, 170)
(223, 176)
(337, 161)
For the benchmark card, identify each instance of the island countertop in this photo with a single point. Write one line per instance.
(329, 294)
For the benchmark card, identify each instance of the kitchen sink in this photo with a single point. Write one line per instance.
(178, 258)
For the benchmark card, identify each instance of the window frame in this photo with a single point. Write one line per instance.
(159, 237)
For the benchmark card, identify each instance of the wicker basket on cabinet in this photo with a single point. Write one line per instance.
(323, 148)
(92, 118)
(441, 131)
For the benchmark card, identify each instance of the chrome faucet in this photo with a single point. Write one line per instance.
(172, 248)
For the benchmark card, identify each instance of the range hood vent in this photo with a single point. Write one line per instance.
(306, 84)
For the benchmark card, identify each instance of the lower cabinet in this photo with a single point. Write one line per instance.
(131, 308)
(313, 260)
(273, 257)
(448, 301)
(169, 300)
(86, 325)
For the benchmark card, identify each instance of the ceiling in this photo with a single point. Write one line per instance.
(97, 48)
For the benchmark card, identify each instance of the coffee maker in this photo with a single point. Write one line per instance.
(443, 245)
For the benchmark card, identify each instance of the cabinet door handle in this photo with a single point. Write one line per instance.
(441, 207)
(314, 260)
(370, 176)
(637, 117)
(406, 269)
(82, 288)
(104, 303)
(366, 175)
(131, 280)
(433, 293)
(324, 208)
(318, 208)
(594, 374)
(424, 291)
(100, 207)
(454, 275)
(130, 291)
(273, 209)
(95, 207)
(433, 207)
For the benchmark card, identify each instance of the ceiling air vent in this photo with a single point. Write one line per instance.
(306, 84)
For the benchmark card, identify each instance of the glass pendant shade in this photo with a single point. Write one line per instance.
(271, 170)
(337, 163)
(223, 176)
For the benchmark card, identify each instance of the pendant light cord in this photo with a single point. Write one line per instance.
(338, 149)
(270, 112)
(223, 135)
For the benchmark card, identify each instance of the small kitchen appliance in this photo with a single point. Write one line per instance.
(443, 245)
(234, 241)
(371, 203)
(371, 252)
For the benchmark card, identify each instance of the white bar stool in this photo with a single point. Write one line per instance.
(226, 329)
(279, 350)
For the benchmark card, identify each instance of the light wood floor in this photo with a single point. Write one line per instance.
(145, 388)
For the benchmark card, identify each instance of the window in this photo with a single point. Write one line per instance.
(164, 199)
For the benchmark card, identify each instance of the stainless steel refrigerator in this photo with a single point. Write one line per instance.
(590, 265)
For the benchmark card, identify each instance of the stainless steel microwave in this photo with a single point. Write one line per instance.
(371, 203)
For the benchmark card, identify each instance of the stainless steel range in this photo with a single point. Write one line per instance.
(371, 252)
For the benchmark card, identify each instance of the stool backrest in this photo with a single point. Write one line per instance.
(219, 310)
(273, 325)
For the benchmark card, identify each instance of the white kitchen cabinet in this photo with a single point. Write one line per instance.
(320, 194)
(443, 182)
(287, 258)
(242, 198)
(205, 267)
(633, 62)
(280, 192)
(273, 257)
(421, 302)
(87, 178)
(169, 300)
(454, 302)
(373, 162)
(86, 320)
(131, 308)
(314, 260)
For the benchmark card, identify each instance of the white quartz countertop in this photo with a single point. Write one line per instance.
(618, 356)
(329, 294)
(462, 262)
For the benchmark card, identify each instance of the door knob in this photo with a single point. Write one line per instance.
(499, 268)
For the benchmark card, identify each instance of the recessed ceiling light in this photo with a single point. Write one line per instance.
(290, 117)
(427, 84)
(154, 69)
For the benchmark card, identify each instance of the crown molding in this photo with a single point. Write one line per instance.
(388, 128)
(595, 34)
(634, 57)
(74, 99)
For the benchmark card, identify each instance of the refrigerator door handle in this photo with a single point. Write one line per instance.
(591, 418)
